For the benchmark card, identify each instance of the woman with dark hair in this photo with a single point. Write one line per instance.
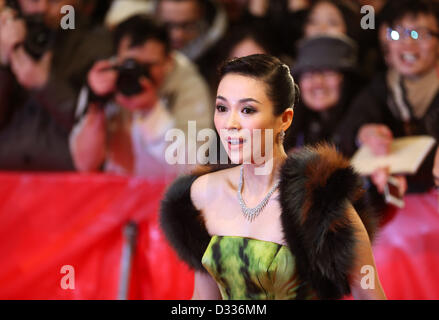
(342, 17)
(241, 40)
(287, 227)
(244, 40)
(332, 17)
(326, 70)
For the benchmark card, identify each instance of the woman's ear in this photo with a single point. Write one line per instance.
(287, 118)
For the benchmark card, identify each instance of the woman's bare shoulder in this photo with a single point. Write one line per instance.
(207, 187)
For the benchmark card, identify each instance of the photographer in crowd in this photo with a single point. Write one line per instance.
(133, 100)
(42, 69)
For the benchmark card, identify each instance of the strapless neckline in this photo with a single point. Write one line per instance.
(248, 238)
(250, 268)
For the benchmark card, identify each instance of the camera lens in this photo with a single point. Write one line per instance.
(39, 37)
(130, 72)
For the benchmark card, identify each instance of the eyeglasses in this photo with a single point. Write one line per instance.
(400, 33)
(186, 26)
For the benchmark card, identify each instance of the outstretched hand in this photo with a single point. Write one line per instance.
(381, 176)
(377, 137)
(102, 78)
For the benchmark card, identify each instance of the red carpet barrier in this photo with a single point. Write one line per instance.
(407, 250)
(157, 272)
(56, 220)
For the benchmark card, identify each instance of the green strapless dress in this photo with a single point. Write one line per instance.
(246, 268)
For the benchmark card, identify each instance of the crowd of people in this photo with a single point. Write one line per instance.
(104, 95)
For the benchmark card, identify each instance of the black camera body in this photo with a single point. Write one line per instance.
(130, 72)
(39, 37)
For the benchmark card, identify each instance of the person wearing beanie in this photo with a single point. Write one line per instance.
(326, 72)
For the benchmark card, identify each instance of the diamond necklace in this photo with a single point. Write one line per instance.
(252, 213)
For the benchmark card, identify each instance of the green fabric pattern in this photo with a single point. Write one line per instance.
(252, 269)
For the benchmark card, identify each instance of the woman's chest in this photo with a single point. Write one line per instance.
(225, 217)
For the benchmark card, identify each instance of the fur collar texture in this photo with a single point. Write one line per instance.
(317, 184)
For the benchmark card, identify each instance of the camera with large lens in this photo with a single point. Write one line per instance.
(130, 72)
(39, 37)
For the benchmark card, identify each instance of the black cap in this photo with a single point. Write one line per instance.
(326, 52)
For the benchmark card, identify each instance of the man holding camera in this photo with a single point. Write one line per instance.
(42, 69)
(133, 100)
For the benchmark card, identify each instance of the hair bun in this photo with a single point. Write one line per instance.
(282, 89)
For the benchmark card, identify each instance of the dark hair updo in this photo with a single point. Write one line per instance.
(281, 88)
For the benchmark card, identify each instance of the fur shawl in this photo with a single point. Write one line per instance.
(317, 184)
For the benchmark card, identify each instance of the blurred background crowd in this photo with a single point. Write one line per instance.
(102, 95)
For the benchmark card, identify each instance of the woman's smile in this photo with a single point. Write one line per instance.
(235, 143)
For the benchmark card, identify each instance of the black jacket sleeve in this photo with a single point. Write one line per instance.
(317, 186)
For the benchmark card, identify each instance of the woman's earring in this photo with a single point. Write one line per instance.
(281, 136)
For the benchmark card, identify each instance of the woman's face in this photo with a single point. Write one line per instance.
(321, 90)
(242, 107)
(325, 18)
(245, 48)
